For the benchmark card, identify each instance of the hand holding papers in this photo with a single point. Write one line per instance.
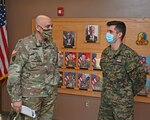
(28, 111)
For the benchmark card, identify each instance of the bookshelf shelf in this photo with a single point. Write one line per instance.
(97, 94)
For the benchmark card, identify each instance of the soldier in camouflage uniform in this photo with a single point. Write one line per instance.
(71, 61)
(124, 76)
(84, 63)
(33, 72)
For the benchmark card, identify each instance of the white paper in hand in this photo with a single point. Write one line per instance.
(28, 111)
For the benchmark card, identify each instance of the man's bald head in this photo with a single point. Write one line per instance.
(42, 20)
(43, 27)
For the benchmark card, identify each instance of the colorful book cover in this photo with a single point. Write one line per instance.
(97, 82)
(145, 60)
(148, 86)
(96, 57)
(148, 64)
(68, 39)
(83, 81)
(69, 79)
(83, 60)
(70, 59)
(91, 33)
(60, 58)
(60, 82)
(146, 90)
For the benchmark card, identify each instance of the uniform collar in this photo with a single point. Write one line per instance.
(39, 44)
(113, 53)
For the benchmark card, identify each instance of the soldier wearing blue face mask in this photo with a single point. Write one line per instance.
(110, 38)
(123, 74)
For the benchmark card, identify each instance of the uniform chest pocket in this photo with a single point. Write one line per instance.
(34, 59)
(118, 67)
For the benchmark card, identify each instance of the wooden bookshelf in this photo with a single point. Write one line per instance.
(97, 94)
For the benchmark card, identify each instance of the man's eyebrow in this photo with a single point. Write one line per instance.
(109, 30)
(49, 25)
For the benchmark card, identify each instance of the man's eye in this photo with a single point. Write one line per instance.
(48, 26)
(51, 25)
(46, 29)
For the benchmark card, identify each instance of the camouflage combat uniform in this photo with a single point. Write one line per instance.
(84, 64)
(71, 63)
(34, 75)
(124, 77)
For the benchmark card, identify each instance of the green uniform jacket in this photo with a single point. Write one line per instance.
(124, 75)
(33, 68)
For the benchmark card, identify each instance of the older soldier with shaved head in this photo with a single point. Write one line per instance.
(33, 73)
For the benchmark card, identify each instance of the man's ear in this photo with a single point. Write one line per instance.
(37, 27)
(120, 34)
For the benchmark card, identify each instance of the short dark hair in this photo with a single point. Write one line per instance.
(120, 26)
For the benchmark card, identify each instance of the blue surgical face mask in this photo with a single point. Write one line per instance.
(110, 38)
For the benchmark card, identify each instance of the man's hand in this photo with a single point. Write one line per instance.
(17, 106)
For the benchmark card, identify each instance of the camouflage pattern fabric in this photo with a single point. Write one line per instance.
(33, 69)
(84, 64)
(124, 77)
(44, 107)
(71, 63)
